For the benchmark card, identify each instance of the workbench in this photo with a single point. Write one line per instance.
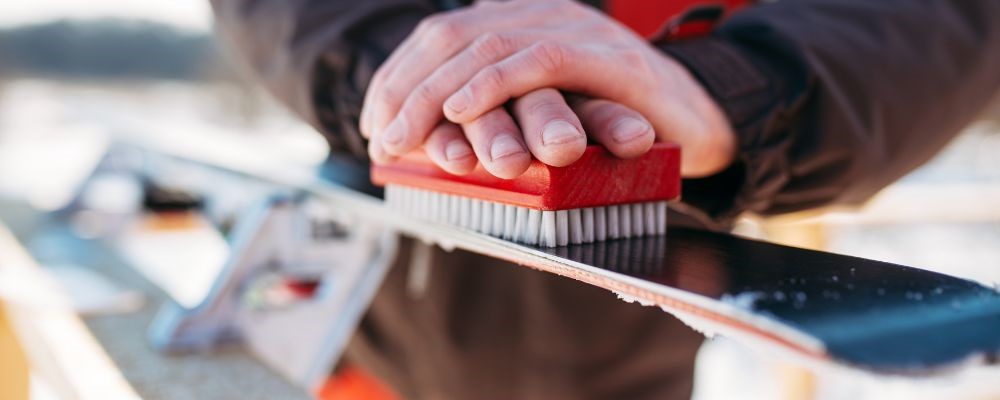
(110, 355)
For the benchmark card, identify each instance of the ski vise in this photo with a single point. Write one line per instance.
(299, 277)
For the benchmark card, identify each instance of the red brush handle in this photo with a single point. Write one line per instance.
(673, 19)
(598, 178)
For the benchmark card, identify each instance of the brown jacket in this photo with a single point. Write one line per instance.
(831, 99)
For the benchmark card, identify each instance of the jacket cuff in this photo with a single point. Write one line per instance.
(754, 95)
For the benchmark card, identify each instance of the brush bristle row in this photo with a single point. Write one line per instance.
(531, 226)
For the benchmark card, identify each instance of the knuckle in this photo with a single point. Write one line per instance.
(386, 97)
(383, 107)
(632, 55)
(489, 4)
(550, 57)
(605, 29)
(426, 23)
(548, 106)
(491, 45)
(441, 30)
(637, 60)
(493, 76)
(615, 111)
(572, 9)
(424, 94)
(379, 77)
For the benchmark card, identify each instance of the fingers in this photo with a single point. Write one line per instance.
(498, 144)
(377, 154)
(434, 41)
(551, 129)
(623, 131)
(421, 110)
(384, 94)
(447, 147)
(547, 64)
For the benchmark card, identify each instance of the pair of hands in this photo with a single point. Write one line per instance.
(445, 88)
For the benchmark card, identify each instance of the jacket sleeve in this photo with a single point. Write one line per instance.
(834, 99)
(317, 56)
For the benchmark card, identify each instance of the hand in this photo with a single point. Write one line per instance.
(466, 64)
(553, 128)
(499, 145)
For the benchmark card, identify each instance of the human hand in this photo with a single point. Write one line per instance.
(544, 124)
(497, 142)
(466, 64)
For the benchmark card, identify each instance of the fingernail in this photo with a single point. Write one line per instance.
(458, 102)
(628, 129)
(503, 146)
(558, 132)
(457, 150)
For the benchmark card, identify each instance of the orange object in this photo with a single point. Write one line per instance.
(352, 383)
(653, 19)
(598, 178)
(13, 364)
(172, 220)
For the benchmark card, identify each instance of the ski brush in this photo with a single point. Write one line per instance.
(599, 197)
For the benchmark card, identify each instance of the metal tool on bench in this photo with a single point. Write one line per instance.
(292, 279)
(293, 290)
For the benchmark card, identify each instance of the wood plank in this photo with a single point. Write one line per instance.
(13, 365)
(57, 344)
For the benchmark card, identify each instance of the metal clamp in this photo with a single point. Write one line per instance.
(299, 278)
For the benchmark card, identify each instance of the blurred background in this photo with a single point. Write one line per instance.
(74, 74)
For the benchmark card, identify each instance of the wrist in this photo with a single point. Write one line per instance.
(705, 132)
(717, 134)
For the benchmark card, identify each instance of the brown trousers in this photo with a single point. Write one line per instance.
(487, 329)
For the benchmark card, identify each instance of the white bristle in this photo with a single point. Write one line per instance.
(509, 223)
(548, 229)
(534, 226)
(531, 226)
(498, 220)
(600, 223)
(625, 220)
(446, 208)
(423, 202)
(649, 214)
(454, 209)
(464, 209)
(562, 228)
(614, 227)
(408, 200)
(520, 224)
(485, 216)
(476, 215)
(588, 225)
(400, 202)
(439, 212)
(637, 220)
(661, 218)
(575, 226)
